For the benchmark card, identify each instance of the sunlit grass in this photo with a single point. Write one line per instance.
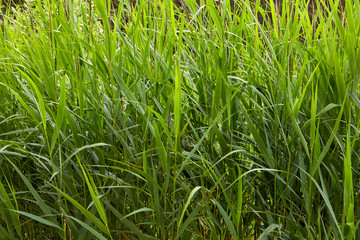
(184, 120)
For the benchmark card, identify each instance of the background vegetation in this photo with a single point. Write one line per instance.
(186, 120)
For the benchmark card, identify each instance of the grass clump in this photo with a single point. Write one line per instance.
(193, 119)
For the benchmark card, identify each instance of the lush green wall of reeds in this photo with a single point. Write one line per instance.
(195, 120)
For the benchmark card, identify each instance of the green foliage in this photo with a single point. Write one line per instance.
(180, 120)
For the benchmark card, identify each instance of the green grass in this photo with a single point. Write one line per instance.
(204, 120)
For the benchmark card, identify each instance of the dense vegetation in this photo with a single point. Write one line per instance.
(186, 120)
